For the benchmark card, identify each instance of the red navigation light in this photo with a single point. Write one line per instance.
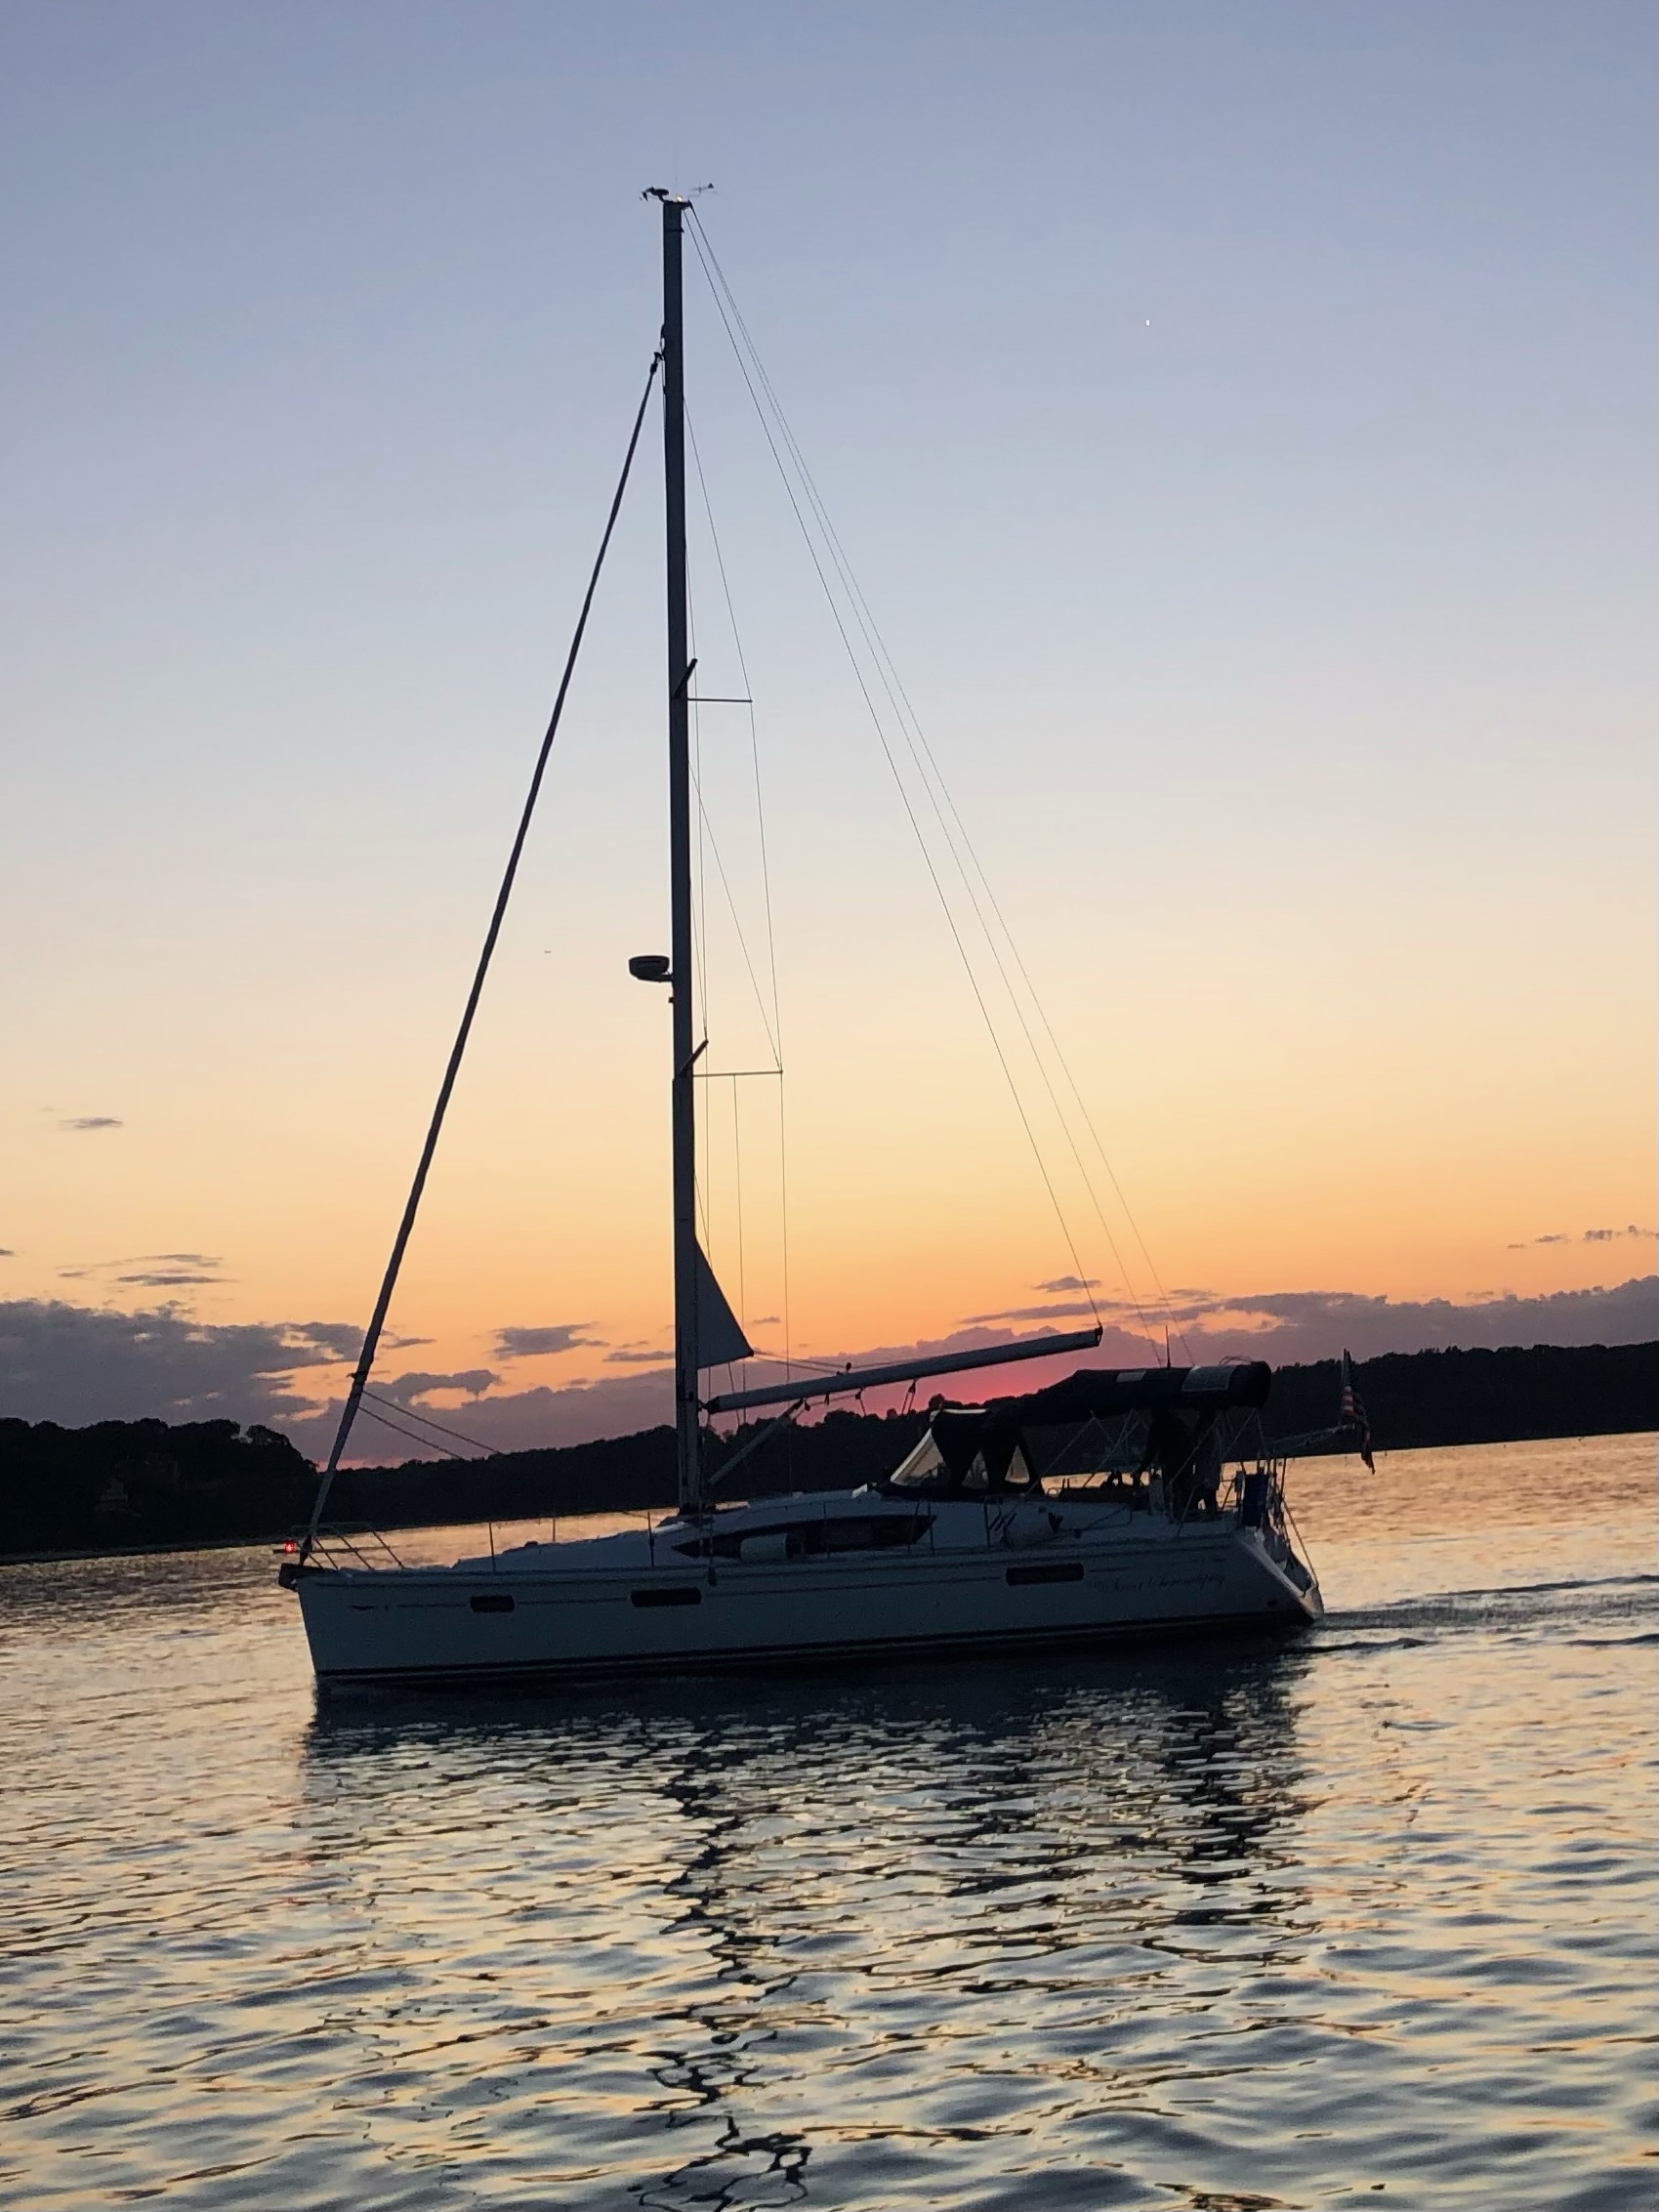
(290, 1545)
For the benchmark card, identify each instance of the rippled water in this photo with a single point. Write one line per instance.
(1367, 1920)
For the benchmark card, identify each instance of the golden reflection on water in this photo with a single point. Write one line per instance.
(1227, 1927)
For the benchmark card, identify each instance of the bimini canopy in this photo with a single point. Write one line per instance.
(984, 1447)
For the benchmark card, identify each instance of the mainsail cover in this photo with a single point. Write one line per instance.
(720, 1336)
(1094, 1393)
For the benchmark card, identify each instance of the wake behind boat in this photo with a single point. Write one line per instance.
(1099, 1508)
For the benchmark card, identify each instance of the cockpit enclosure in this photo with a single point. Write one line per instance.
(962, 1455)
(1111, 1429)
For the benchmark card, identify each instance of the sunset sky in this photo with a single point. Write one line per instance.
(1241, 426)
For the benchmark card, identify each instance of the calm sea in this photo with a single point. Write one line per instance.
(1366, 1921)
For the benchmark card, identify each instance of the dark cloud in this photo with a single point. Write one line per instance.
(541, 1343)
(333, 1342)
(85, 1121)
(616, 1405)
(1279, 1325)
(475, 1381)
(77, 1363)
(625, 1357)
(767, 1320)
(1313, 1324)
(7, 1253)
(1587, 1236)
(1070, 1282)
(166, 1279)
(1055, 1310)
(152, 1271)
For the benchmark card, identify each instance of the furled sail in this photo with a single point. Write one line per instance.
(719, 1337)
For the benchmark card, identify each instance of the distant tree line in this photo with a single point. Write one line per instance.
(1420, 1398)
(121, 1485)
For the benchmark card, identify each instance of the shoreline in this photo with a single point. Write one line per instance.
(67, 1555)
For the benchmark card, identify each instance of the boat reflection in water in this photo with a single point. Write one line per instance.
(1216, 1925)
(734, 1913)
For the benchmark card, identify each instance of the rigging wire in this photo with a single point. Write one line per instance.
(938, 791)
(737, 1185)
(742, 942)
(414, 1413)
(754, 737)
(923, 759)
(702, 1181)
(898, 781)
(783, 1208)
(774, 1031)
(372, 1413)
(381, 1420)
(823, 1369)
(699, 904)
(931, 776)
(377, 1320)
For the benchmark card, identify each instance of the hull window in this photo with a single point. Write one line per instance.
(1049, 1571)
(493, 1602)
(683, 1596)
(811, 1538)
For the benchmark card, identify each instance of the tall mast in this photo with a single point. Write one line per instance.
(685, 1430)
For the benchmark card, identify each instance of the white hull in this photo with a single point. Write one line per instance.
(623, 1606)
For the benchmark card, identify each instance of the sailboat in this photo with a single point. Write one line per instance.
(1095, 1509)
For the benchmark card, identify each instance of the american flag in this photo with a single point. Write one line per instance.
(1352, 1415)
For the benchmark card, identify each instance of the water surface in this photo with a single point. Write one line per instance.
(1370, 1919)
